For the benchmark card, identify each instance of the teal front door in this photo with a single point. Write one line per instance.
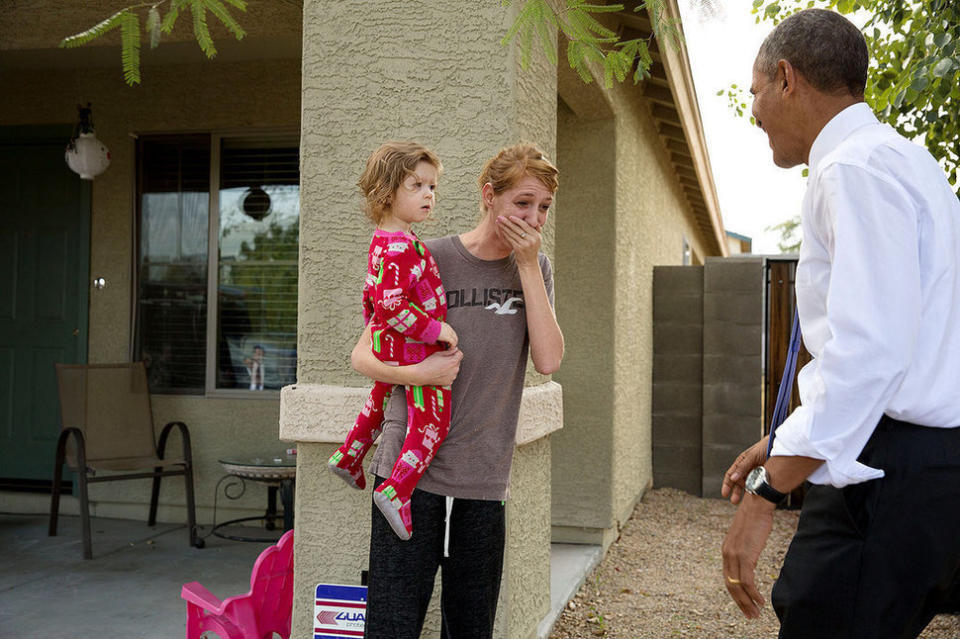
(44, 258)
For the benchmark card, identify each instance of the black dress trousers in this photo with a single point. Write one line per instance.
(877, 560)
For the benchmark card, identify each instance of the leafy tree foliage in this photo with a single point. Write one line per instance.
(914, 79)
(128, 21)
(589, 42)
(789, 234)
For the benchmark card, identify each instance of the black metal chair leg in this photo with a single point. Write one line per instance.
(59, 460)
(271, 515)
(187, 475)
(84, 500)
(286, 498)
(154, 497)
(191, 509)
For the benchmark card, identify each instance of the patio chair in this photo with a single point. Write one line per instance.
(105, 409)
(264, 610)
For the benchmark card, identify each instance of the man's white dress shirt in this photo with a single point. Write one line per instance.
(878, 292)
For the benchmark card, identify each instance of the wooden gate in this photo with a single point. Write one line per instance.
(781, 302)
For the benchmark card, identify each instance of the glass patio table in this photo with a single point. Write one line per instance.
(278, 472)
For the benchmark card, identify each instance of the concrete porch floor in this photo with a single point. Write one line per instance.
(131, 587)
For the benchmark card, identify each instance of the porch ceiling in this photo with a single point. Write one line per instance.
(672, 99)
(228, 50)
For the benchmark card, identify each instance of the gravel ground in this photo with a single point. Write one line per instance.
(662, 577)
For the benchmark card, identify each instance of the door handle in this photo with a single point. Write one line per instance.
(76, 332)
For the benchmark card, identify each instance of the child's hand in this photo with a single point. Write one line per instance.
(448, 335)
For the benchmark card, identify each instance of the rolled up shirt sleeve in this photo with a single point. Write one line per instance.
(869, 226)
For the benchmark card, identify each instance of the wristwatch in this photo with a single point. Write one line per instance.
(758, 483)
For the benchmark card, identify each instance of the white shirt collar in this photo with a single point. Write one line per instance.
(838, 129)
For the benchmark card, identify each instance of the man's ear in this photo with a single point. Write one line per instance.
(786, 77)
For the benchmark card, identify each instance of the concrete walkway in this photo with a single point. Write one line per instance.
(131, 587)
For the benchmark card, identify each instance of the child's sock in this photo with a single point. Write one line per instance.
(395, 509)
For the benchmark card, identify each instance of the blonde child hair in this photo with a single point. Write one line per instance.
(387, 168)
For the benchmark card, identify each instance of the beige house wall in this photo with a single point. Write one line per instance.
(175, 98)
(624, 214)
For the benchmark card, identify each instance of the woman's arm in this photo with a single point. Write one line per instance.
(546, 339)
(439, 369)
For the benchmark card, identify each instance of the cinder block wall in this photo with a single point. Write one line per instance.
(707, 370)
(677, 377)
(732, 363)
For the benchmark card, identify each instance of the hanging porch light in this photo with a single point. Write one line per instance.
(85, 154)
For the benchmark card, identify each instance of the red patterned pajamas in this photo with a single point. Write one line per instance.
(403, 303)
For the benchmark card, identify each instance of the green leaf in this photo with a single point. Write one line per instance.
(153, 26)
(130, 46)
(943, 67)
(200, 29)
(771, 10)
(920, 82)
(172, 14)
(93, 32)
(600, 8)
(223, 15)
(548, 40)
(720, 92)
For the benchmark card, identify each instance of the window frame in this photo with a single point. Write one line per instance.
(213, 258)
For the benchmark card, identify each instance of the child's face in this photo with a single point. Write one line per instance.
(528, 199)
(415, 198)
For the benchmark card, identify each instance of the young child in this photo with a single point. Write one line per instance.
(405, 305)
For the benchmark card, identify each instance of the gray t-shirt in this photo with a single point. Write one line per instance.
(485, 308)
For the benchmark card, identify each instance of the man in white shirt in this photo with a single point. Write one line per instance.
(878, 293)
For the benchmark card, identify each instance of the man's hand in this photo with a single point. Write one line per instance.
(733, 479)
(741, 549)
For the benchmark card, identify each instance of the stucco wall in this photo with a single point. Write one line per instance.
(585, 295)
(637, 218)
(464, 97)
(173, 98)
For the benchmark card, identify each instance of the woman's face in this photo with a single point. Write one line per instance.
(528, 199)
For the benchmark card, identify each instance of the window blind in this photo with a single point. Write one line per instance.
(259, 222)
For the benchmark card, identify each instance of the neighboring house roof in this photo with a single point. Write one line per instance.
(673, 100)
(737, 236)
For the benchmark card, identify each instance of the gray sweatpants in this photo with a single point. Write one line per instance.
(402, 573)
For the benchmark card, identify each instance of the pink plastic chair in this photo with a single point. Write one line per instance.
(256, 615)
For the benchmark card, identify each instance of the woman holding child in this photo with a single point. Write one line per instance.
(499, 302)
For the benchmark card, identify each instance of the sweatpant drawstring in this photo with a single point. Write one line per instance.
(446, 532)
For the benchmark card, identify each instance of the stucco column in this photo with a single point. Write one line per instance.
(434, 72)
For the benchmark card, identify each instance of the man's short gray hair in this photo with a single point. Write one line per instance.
(823, 46)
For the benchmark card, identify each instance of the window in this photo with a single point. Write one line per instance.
(222, 320)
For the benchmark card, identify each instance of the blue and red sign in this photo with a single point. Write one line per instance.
(339, 612)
